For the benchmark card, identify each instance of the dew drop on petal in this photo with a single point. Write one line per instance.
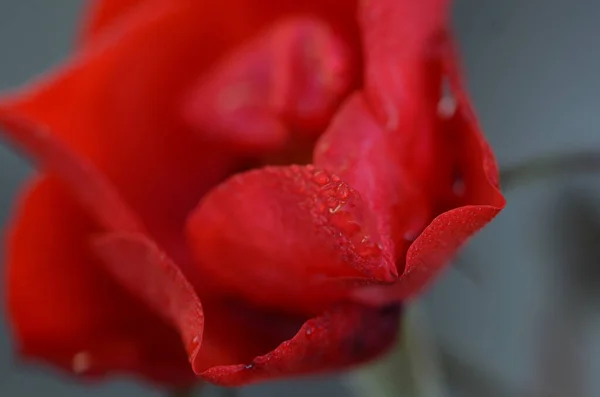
(321, 178)
(368, 248)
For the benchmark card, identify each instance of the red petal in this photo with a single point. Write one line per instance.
(111, 116)
(277, 236)
(340, 338)
(401, 44)
(291, 77)
(90, 187)
(477, 203)
(402, 41)
(66, 310)
(233, 333)
(406, 169)
(143, 268)
(364, 155)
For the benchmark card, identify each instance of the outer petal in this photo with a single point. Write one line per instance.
(242, 344)
(148, 273)
(283, 236)
(402, 42)
(66, 310)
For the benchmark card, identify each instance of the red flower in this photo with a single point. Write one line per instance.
(167, 208)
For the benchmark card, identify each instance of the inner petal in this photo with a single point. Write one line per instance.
(275, 94)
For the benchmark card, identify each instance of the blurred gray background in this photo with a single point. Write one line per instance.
(526, 323)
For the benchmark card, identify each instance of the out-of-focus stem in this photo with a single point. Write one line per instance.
(550, 166)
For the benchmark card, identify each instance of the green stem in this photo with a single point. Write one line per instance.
(549, 166)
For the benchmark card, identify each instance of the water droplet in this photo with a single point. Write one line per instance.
(194, 343)
(81, 362)
(332, 202)
(321, 178)
(343, 192)
(309, 331)
(249, 366)
(368, 248)
(345, 222)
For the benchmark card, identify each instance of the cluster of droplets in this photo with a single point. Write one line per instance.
(336, 210)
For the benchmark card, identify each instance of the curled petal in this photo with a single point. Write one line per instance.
(88, 185)
(282, 235)
(65, 309)
(148, 273)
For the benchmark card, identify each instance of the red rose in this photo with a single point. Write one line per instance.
(168, 208)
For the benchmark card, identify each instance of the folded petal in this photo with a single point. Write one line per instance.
(285, 237)
(65, 309)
